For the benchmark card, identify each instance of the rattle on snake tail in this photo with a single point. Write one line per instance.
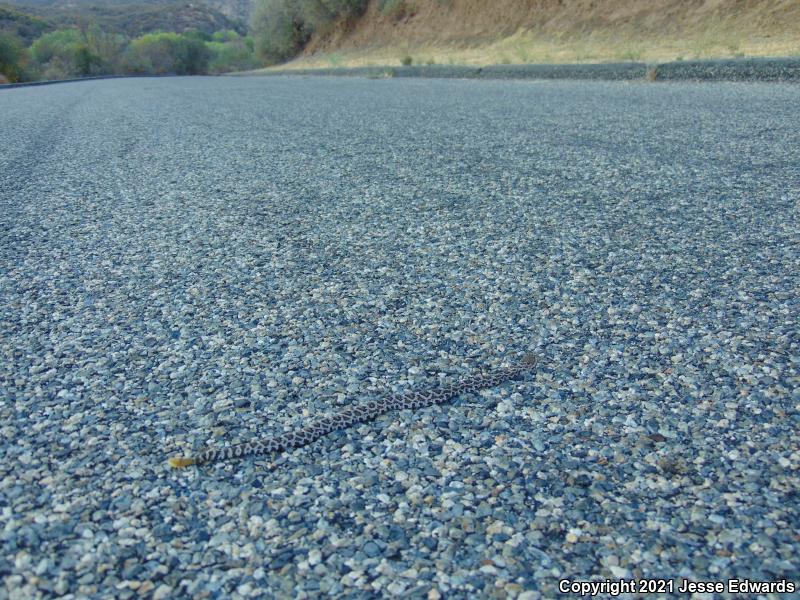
(360, 413)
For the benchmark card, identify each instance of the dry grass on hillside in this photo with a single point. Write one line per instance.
(545, 31)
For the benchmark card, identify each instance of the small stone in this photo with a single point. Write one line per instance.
(371, 549)
(314, 557)
(571, 537)
(43, 566)
(162, 592)
(619, 572)
(145, 588)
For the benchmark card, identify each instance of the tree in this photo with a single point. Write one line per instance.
(63, 53)
(12, 56)
(87, 63)
(102, 50)
(281, 28)
(167, 53)
(231, 53)
(278, 30)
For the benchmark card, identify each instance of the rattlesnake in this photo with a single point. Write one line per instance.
(357, 414)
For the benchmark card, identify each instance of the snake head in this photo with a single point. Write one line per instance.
(178, 462)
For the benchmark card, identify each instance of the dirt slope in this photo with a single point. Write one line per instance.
(483, 31)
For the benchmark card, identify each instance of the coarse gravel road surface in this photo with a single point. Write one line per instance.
(199, 261)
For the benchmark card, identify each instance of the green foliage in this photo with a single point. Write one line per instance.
(167, 54)
(196, 34)
(90, 50)
(277, 29)
(225, 35)
(108, 47)
(234, 54)
(12, 56)
(51, 46)
(87, 62)
(406, 61)
(77, 53)
(24, 26)
(65, 53)
(281, 28)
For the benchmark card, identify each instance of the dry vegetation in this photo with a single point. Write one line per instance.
(544, 31)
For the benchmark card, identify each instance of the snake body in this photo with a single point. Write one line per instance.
(359, 413)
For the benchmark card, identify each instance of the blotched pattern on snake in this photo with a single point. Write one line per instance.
(360, 413)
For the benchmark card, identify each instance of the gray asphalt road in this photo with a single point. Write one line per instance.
(191, 262)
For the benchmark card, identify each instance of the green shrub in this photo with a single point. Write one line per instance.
(167, 54)
(70, 53)
(108, 49)
(278, 30)
(236, 54)
(56, 45)
(225, 35)
(87, 62)
(406, 61)
(12, 56)
(66, 53)
(281, 28)
(196, 34)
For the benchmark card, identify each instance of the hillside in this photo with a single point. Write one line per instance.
(518, 31)
(24, 26)
(234, 9)
(130, 19)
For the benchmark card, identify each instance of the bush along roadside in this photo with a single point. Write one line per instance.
(90, 52)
